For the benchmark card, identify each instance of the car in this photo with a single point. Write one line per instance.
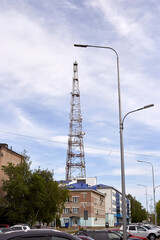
(37, 234)
(100, 234)
(20, 227)
(151, 226)
(4, 226)
(129, 235)
(141, 231)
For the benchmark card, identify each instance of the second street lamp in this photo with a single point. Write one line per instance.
(146, 198)
(153, 190)
(121, 134)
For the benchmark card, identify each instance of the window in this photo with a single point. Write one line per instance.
(100, 235)
(84, 195)
(132, 228)
(75, 199)
(75, 210)
(113, 194)
(114, 210)
(140, 228)
(66, 220)
(113, 236)
(147, 227)
(84, 205)
(17, 228)
(66, 210)
(67, 200)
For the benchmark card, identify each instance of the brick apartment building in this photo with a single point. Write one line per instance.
(112, 206)
(7, 155)
(84, 203)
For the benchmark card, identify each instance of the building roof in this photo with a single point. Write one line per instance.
(83, 187)
(80, 186)
(102, 186)
(4, 146)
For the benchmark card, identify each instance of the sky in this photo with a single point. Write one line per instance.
(36, 69)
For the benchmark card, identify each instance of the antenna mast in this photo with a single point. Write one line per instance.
(75, 163)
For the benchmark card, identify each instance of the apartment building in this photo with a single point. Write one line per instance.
(113, 205)
(7, 155)
(85, 207)
(113, 202)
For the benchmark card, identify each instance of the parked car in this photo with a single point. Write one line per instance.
(100, 234)
(151, 226)
(20, 227)
(129, 235)
(141, 231)
(4, 226)
(37, 234)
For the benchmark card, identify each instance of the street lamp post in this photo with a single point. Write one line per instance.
(150, 204)
(146, 198)
(121, 135)
(153, 190)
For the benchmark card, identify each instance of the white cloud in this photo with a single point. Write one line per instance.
(31, 59)
(125, 22)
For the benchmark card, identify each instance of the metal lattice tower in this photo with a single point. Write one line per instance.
(75, 163)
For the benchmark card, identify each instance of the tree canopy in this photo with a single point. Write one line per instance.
(158, 212)
(138, 213)
(31, 195)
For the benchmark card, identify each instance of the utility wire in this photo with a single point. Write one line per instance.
(95, 148)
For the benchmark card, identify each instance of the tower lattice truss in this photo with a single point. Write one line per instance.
(75, 163)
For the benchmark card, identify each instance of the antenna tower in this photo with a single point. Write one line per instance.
(75, 163)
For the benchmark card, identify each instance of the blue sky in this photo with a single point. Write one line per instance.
(36, 70)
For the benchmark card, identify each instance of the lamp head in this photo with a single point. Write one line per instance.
(80, 45)
(148, 106)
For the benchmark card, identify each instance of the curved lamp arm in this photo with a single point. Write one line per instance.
(139, 109)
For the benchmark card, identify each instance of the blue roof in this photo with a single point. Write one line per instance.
(80, 186)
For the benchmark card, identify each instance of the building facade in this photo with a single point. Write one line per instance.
(113, 205)
(7, 155)
(84, 208)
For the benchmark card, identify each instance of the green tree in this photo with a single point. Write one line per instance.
(158, 212)
(138, 213)
(31, 195)
(51, 197)
(16, 189)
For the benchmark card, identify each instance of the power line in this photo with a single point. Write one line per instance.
(94, 148)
